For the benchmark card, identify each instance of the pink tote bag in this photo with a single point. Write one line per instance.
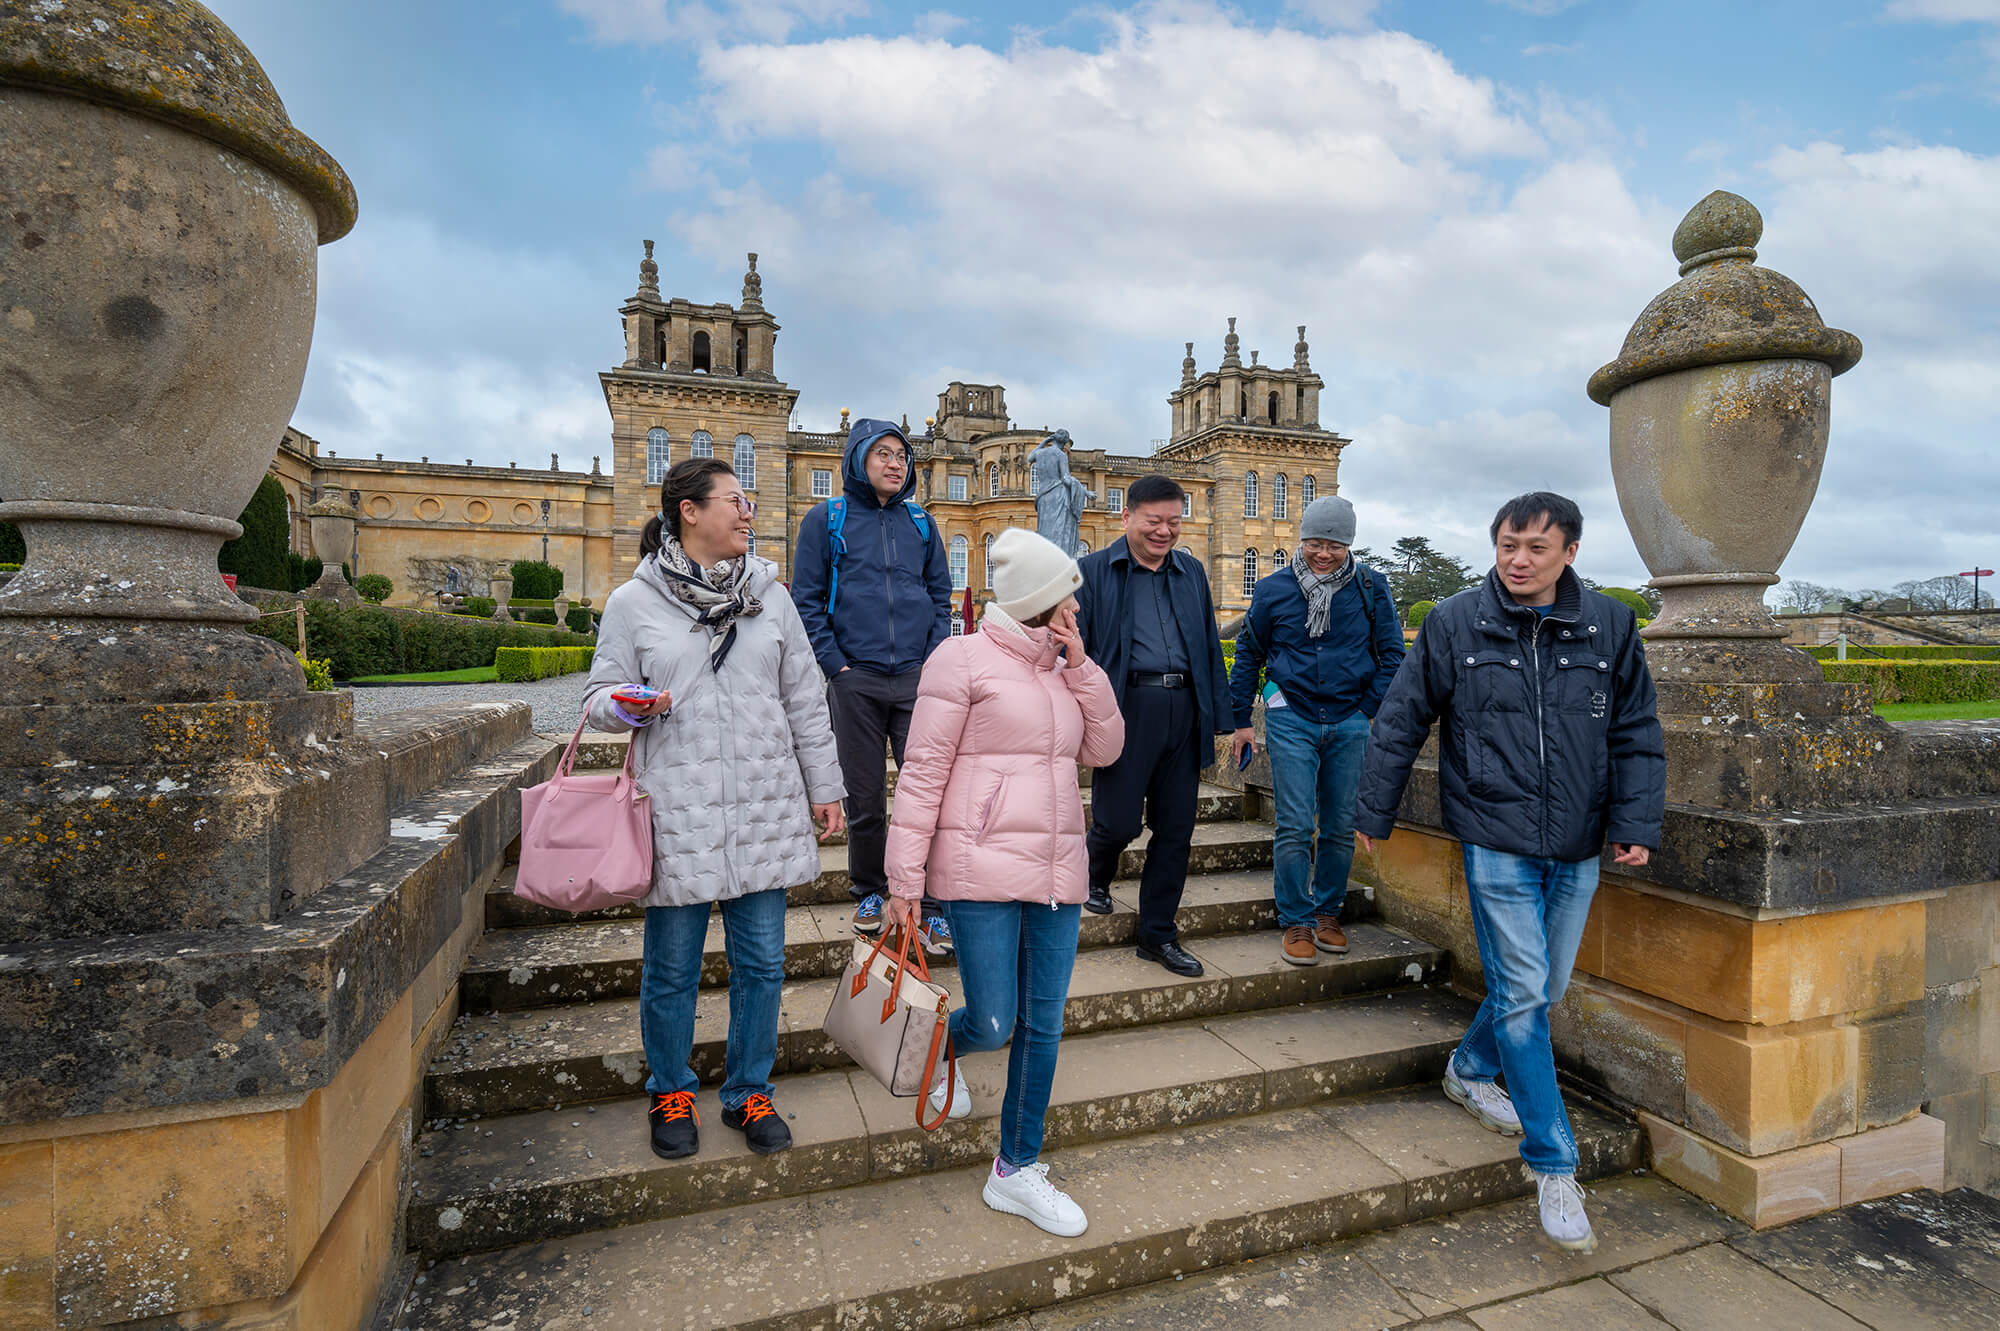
(586, 840)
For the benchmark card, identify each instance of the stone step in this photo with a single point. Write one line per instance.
(502, 1062)
(923, 1253)
(570, 963)
(1212, 850)
(523, 1178)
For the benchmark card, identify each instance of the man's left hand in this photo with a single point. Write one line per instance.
(1631, 856)
(831, 818)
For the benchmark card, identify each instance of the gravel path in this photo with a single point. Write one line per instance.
(558, 702)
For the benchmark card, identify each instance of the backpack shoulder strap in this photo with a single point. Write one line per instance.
(836, 546)
(921, 519)
(1366, 576)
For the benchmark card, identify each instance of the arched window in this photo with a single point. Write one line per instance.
(660, 346)
(989, 563)
(1242, 405)
(659, 456)
(1272, 410)
(992, 480)
(1278, 559)
(702, 445)
(700, 358)
(1280, 501)
(752, 548)
(1082, 548)
(1308, 491)
(1249, 494)
(743, 353)
(746, 461)
(960, 552)
(1249, 571)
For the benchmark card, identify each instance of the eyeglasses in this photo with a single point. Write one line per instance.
(1317, 546)
(901, 455)
(744, 504)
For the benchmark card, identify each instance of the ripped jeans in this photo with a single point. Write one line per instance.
(1014, 961)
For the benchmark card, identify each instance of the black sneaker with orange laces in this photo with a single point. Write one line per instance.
(763, 1131)
(676, 1125)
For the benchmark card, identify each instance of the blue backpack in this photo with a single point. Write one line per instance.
(836, 544)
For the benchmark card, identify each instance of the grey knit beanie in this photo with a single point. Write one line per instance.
(1328, 518)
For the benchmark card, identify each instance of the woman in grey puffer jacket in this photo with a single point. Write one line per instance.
(737, 756)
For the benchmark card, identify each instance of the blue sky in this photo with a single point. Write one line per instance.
(1466, 202)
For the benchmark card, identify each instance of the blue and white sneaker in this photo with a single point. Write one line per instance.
(868, 915)
(936, 936)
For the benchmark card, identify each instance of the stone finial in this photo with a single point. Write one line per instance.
(1721, 226)
(1301, 358)
(649, 275)
(753, 286)
(595, 468)
(1187, 367)
(1253, 358)
(1230, 346)
(555, 463)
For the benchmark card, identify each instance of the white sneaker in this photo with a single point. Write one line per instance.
(1484, 1100)
(961, 1094)
(1027, 1192)
(1563, 1219)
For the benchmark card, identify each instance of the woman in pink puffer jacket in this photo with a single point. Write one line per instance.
(989, 819)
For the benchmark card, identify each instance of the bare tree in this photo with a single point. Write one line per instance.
(1946, 592)
(1801, 597)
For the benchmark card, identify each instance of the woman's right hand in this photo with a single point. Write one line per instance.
(655, 707)
(1067, 635)
(901, 913)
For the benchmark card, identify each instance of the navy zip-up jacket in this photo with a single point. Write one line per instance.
(1105, 618)
(894, 601)
(1323, 679)
(1549, 744)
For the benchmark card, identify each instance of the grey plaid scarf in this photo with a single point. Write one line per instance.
(718, 594)
(1320, 590)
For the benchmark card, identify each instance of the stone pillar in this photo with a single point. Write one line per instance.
(333, 522)
(503, 592)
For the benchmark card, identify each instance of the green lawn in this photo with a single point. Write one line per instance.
(1939, 711)
(471, 675)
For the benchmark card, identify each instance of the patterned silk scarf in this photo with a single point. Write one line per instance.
(718, 595)
(1320, 590)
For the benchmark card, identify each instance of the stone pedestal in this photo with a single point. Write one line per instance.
(333, 522)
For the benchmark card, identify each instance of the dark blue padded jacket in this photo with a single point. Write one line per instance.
(894, 601)
(1324, 679)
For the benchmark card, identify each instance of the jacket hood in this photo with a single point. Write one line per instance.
(763, 576)
(854, 473)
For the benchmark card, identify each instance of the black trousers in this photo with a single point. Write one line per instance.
(871, 717)
(1158, 776)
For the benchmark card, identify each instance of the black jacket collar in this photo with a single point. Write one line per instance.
(1502, 615)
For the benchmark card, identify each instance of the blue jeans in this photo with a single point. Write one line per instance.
(1528, 915)
(753, 931)
(1014, 960)
(1316, 769)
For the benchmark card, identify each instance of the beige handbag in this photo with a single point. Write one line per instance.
(888, 1017)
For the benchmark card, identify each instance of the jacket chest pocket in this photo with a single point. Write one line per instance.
(1582, 681)
(1494, 681)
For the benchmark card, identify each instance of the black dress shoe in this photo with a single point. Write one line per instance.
(675, 1125)
(1172, 956)
(763, 1131)
(1099, 902)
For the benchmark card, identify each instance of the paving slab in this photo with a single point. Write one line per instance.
(1590, 1303)
(1381, 1041)
(1326, 1289)
(1717, 1288)
(1914, 1262)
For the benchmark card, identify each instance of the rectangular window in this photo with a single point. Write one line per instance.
(822, 484)
(1187, 504)
(954, 487)
(1114, 499)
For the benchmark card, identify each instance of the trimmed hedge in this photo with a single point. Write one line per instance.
(13, 546)
(580, 620)
(479, 607)
(515, 664)
(1862, 651)
(1414, 617)
(536, 580)
(374, 587)
(1920, 681)
(258, 555)
(535, 616)
(531, 603)
(377, 640)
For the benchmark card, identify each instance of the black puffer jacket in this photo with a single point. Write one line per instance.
(1550, 746)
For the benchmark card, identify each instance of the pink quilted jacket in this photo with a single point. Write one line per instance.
(987, 806)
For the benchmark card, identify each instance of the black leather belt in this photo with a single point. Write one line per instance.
(1176, 680)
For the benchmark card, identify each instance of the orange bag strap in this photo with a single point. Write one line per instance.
(940, 1036)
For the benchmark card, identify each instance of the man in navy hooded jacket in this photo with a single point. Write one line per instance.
(871, 582)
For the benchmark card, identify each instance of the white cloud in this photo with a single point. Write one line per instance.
(1539, 8)
(654, 22)
(1333, 13)
(1944, 11)
(937, 23)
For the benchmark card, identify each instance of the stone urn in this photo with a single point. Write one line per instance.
(562, 611)
(158, 270)
(333, 521)
(1720, 402)
(503, 592)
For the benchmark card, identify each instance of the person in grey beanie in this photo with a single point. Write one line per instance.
(1323, 632)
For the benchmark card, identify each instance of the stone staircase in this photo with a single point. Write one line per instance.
(1200, 1122)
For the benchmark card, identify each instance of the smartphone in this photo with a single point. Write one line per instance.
(1249, 755)
(634, 693)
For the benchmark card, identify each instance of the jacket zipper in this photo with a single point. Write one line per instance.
(889, 582)
(1049, 698)
(1541, 730)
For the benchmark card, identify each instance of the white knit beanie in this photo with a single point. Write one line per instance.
(1030, 574)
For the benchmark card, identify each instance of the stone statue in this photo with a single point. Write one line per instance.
(451, 579)
(1059, 497)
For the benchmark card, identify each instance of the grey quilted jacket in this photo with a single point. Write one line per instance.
(733, 768)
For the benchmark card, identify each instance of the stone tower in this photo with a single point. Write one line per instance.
(698, 380)
(1256, 428)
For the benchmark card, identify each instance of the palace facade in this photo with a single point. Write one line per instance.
(1245, 441)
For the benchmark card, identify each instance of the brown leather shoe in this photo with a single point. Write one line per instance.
(1298, 946)
(1329, 936)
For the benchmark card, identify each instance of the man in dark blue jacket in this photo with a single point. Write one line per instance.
(1549, 746)
(1325, 631)
(873, 585)
(1148, 619)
